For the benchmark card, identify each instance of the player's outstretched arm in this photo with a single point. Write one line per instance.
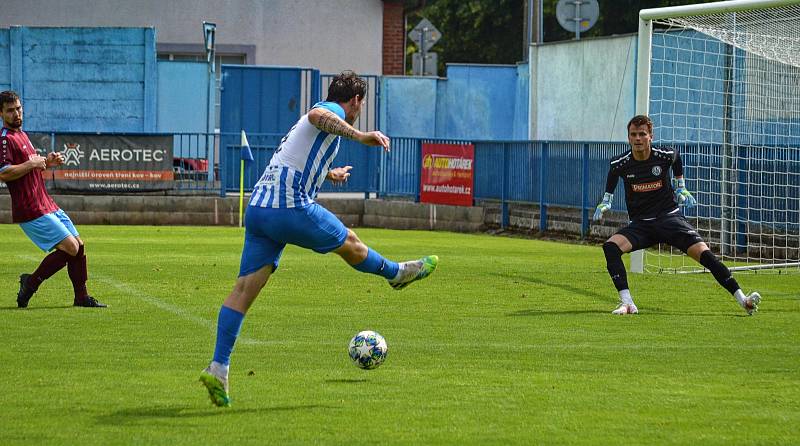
(327, 121)
(682, 195)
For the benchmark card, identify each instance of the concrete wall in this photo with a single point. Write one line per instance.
(331, 35)
(480, 102)
(182, 97)
(208, 211)
(583, 90)
(82, 79)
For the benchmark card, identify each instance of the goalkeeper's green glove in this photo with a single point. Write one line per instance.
(603, 206)
(682, 195)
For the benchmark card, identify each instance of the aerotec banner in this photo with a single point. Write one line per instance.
(447, 174)
(119, 163)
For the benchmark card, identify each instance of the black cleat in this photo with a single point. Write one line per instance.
(25, 293)
(88, 301)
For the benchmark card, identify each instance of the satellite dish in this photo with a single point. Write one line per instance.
(577, 16)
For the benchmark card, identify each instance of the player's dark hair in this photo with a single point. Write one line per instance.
(8, 97)
(641, 120)
(346, 86)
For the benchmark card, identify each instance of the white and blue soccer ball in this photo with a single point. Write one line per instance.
(368, 349)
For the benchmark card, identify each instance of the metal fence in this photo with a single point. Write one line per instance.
(564, 174)
(544, 173)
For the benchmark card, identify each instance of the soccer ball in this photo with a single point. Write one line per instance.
(368, 349)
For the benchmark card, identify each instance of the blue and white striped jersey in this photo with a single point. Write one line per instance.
(299, 166)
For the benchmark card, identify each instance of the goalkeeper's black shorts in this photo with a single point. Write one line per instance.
(671, 229)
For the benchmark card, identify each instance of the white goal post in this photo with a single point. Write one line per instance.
(721, 82)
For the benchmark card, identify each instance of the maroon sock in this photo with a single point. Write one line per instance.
(76, 267)
(49, 266)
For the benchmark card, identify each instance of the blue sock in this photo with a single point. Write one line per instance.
(376, 264)
(229, 323)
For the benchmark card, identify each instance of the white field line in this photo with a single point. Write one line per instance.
(158, 303)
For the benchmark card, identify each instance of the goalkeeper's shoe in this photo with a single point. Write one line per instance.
(750, 303)
(25, 292)
(413, 271)
(623, 309)
(217, 386)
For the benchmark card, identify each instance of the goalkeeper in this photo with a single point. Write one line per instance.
(653, 207)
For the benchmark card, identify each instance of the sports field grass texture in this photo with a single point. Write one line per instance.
(511, 341)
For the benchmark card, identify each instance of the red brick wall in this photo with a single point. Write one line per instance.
(393, 37)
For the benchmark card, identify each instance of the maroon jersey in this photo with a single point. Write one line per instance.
(29, 197)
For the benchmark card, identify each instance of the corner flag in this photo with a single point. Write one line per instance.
(246, 155)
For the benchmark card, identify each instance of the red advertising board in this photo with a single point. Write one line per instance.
(447, 172)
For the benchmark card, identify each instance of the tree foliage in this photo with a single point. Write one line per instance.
(475, 31)
(616, 17)
(492, 31)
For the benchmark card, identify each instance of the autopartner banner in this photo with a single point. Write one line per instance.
(447, 174)
(114, 163)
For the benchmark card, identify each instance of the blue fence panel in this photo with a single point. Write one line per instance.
(565, 168)
(364, 176)
(488, 158)
(524, 164)
(600, 155)
(265, 99)
(400, 168)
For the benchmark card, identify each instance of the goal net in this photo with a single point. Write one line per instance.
(722, 85)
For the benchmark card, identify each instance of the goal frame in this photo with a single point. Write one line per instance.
(644, 52)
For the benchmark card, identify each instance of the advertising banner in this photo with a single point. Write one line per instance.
(447, 174)
(114, 163)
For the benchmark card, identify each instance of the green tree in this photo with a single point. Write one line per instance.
(616, 17)
(474, 31)
(491, 31)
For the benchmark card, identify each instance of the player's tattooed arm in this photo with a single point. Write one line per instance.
(327, 121)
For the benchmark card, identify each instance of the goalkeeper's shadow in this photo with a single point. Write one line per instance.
(572, 290)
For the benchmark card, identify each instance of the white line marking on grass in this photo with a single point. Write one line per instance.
(156, 302)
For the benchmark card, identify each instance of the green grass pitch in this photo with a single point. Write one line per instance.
(511, 341)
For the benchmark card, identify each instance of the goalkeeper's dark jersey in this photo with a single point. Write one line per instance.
(648, 191)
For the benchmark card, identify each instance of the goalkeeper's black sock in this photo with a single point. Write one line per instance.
(719, 270)
(616, 269)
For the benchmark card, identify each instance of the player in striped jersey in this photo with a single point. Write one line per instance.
(282, 211)
(653, 207)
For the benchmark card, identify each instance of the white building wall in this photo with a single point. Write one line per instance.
(331, 35)
(583, 90)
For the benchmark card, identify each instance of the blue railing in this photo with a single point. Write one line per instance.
(564, 174)
(765, 182)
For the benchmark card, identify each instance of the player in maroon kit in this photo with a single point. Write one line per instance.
(37, 214)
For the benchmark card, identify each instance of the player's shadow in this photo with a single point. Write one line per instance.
(346, 381)
(147, 415)
(560, 285)
(52, 307)
(540, 312)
